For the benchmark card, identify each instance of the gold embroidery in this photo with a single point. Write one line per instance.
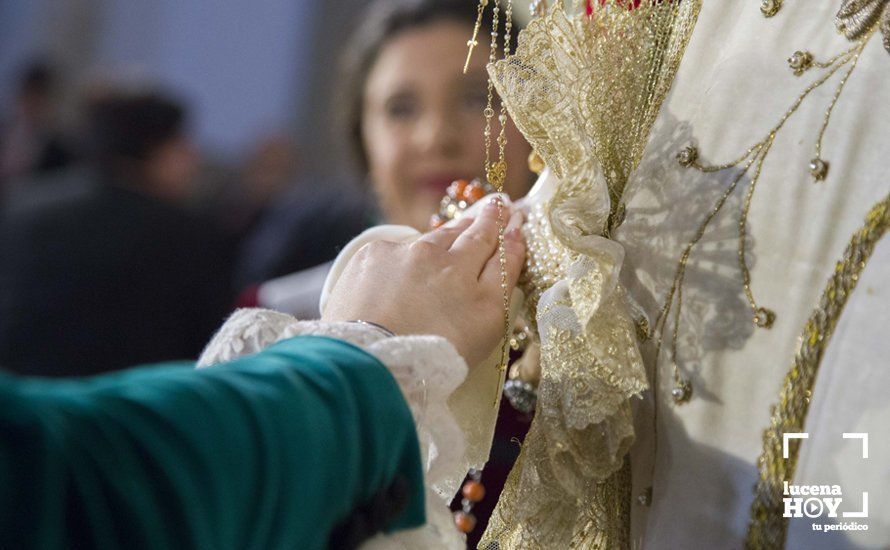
(770, 8)
(767, 529)
(752, 162)
(857, 18)
(854, 19)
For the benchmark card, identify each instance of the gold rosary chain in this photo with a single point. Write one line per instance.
(502, 166)
(495, 172)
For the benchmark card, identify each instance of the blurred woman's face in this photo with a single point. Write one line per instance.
(422, 122)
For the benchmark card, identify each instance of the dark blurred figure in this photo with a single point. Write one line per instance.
(99, 267)
(236, 197)
(271, 168)
(305, 226)
(30, 142)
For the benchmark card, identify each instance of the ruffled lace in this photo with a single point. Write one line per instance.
(584, 91)
(570, 482)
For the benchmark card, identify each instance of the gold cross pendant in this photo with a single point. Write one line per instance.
(471, 43)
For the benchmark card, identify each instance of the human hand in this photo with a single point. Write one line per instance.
(446, 283)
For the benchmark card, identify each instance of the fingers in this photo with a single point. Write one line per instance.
(514, 255)
(445, 236)
(475, 246)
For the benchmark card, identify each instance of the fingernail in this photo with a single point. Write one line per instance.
(514, 221)
(514, 234)
(491, 207)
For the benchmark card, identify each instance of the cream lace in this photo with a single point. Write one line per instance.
(585, 92)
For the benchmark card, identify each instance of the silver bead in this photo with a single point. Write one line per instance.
(466, 505)
(818, 169)
(682, 392)
(519, 339)
(522, 395)
(800, 61)
(687, 156)
(770, 8)
(764, 318)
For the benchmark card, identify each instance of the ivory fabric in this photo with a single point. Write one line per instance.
(733, 85)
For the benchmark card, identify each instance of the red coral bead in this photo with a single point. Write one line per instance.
(473, 192)
(464, 521)
(473, 491)
(456, 189)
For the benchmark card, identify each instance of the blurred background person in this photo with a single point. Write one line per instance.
(276, 178)
(275, 175)
(413, 121)
(100, 266)
(30, 140)
(305, 219)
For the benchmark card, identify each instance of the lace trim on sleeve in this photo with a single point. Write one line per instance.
(427, 369)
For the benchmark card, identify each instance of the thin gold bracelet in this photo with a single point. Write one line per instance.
(377, 326)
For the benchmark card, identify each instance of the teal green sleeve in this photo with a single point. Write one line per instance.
(269, 451)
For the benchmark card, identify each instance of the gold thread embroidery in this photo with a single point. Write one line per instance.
(770, 8)
(750, 161)
(854, 19)
(767, 528)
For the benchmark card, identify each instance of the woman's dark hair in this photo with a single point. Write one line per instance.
(382, 21)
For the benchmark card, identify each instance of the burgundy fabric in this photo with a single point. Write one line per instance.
(249, 297)
(510, 431)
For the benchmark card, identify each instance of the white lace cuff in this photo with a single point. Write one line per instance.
(427, 369)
